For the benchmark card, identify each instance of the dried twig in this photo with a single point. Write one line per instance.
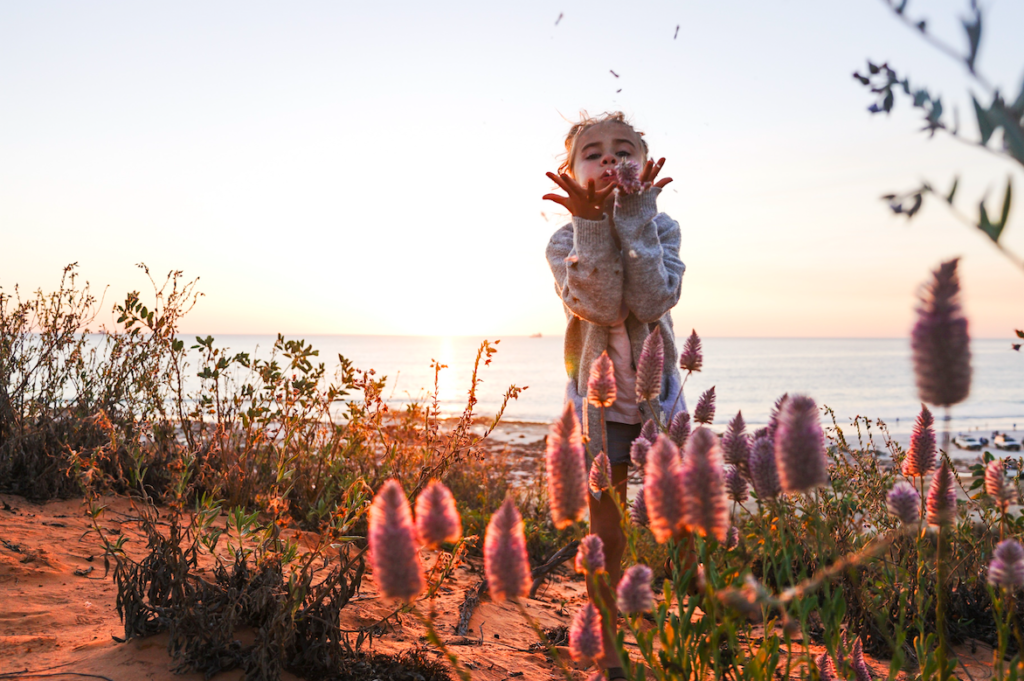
(541, 571)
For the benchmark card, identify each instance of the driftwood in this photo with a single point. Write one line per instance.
(468, 606)
(541, 571)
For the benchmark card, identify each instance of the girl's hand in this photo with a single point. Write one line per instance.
(650, 172)
(588, 203)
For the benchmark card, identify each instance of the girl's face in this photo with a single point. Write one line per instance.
(599, 148)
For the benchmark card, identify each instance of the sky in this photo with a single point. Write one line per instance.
(377, 168)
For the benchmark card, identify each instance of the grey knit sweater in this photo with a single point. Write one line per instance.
(594, 276)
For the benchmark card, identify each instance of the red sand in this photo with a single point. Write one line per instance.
(54, 620)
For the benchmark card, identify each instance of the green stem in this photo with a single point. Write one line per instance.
(940, 609)
(435, 639)
(544, 640)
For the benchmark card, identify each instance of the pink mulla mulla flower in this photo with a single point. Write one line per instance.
(706, 507)
(941, 503)
(638, 452)
(634, 594)
(638, 509)
(649, 431)
(691, 359)
(736, 442)
(505, 562)
(736, 484)
(921, 456)
(861, 670)
(649, 367)
(1007, 567)
(826, 668)
(764, 473)
(904, 502)
(394, 555)
(939, 341)
(585, 641)
(1001, 490)
(800, 446)
(590, 555)
(627, 176)
(679, 429)
(437, 519)
(601, 386)
(773, 417)
(705, 410)
(663, 490)
(600, 474)
(732, 540)
(566, 470)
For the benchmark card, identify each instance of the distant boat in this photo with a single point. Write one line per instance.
(535, 335)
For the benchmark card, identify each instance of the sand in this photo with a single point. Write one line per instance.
(57, 613)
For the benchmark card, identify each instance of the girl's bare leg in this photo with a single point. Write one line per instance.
(604, 522)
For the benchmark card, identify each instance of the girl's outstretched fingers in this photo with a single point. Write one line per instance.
(662, 182)
(557, 198)
(651, 170)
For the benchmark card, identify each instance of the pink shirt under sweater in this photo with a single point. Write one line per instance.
(624, 409)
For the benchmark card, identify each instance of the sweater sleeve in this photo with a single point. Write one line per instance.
(653, 275)
(588, 270)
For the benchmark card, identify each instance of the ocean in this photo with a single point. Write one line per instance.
(855, 377)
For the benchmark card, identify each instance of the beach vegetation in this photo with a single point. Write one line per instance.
(261, 487)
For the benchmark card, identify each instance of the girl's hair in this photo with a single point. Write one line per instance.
(586, 121)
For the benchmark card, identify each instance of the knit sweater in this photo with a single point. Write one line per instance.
(594, 277)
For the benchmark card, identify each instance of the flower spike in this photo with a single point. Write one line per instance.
(939, 340)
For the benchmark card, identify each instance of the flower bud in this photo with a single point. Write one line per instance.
(691, 359)
(800, 446)
(649, 367)
(437, 519)
(706, 508)
(679, 429)
(904, 502)
(590, 555)
(939, 340)
(941, 503)
(705, 411)
(394, 556)
(920, 459)
(601, 386)
(634, 594)
(585, 641)
(505, 562)
(663, 490)
(566, 470)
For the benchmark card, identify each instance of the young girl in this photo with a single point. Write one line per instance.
(618, 273)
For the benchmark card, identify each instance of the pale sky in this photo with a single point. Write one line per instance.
(377, 168)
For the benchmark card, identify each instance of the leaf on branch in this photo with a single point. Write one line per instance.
(1020, 334)
(973, 29)
(916, 206)
(984, 224)
(1006, 204)
(952, 191)
(1013, 135)
(1018, 105)
(985, 126)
